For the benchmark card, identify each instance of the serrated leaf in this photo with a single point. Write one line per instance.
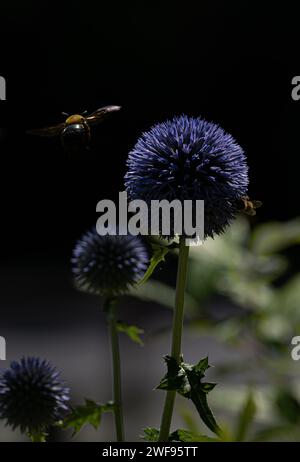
(246, 417)
(175, 378)
(199, 398)
(186, 379)
(198, 392)
(133, 332)
(159, 253)
(207, 387)
(202, 366)
(186, 436)
(88, 414)
(150, 434)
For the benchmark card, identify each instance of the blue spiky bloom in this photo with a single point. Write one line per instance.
(32, 395)
(190, 159)
(108, 265)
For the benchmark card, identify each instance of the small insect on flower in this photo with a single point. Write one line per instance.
(32, 395)
(249, 205)
(75, 132)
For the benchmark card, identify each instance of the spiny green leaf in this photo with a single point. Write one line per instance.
(133, 332)
(245, 418)
(186, 436)
(186, 379)
(151, 434)
(159, 253)
(175, 378)
(89, 413)
(199, 390)
(207, 387)
(202, 365)
(199, 398)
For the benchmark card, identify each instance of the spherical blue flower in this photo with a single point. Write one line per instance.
(190, 159)
(32, 396)
(108, 265)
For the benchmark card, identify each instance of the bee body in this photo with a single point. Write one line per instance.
(75, 132)
(75, 119)
(249, 206)
(76, 136)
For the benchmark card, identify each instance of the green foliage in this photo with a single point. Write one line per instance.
(186, 436)
(226, 265)
(151, 434)
(277, 432)
(159, 251)
(133, 332)
(288, 406)
(180, 435)
(158, 292)
(275, 236)
(245, 418)
(88, 414)
(246, 269)
(186, 379)
(40, 437)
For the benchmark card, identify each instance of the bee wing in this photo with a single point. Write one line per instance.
(47, 131)
(250, 212)
(257, 204)
(100, 114)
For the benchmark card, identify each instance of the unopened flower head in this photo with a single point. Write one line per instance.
(190, 159)
(32, 395)
(110, 264)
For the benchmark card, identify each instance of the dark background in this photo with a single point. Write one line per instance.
(231, 62)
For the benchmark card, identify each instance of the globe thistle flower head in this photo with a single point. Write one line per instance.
(108, 265)
(32, 395)
(190, 159)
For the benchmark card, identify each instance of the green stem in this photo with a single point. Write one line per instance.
(177, 335)
(110, 307)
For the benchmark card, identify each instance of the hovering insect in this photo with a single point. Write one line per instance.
(249, 206)
(75, 132)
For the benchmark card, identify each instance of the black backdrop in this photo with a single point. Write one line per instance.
(229, 61)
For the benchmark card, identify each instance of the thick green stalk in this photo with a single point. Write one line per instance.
(110, 307)
(176, 336)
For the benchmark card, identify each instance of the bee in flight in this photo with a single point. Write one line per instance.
(75, 132)
(249, 206)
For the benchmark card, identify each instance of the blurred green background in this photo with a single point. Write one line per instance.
(243, 292)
